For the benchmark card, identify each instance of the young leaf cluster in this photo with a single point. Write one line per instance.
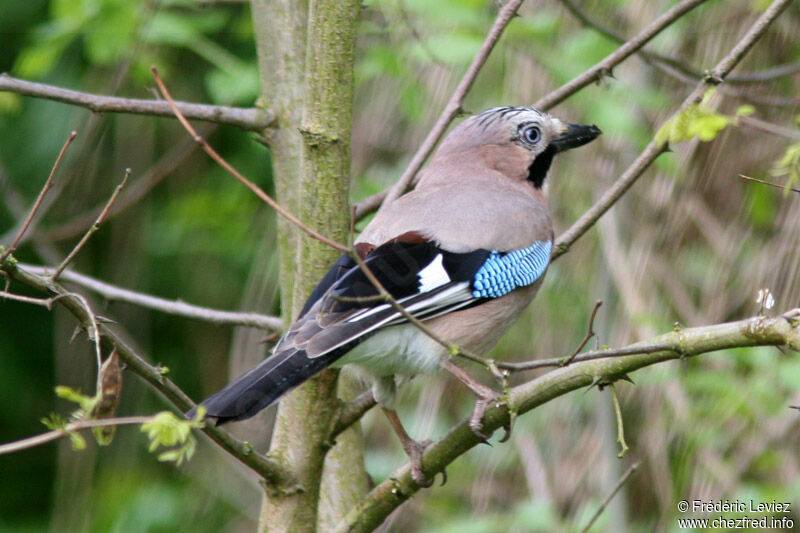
(166, 429)
(789, 166)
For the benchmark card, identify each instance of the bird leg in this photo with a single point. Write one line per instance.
(413, 449)
(485, 398)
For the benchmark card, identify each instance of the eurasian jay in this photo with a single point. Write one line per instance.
(465, 252)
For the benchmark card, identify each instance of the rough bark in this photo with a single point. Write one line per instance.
(317, 150)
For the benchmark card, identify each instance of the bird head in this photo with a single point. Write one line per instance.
(519, 142)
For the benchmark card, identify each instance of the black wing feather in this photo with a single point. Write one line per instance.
(341, 313)
(339, 269)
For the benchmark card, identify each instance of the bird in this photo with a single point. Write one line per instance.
(464, 252)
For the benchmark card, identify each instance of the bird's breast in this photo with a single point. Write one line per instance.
(401, 349)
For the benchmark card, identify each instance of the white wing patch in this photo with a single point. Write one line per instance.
(448, 299)
(434, 275)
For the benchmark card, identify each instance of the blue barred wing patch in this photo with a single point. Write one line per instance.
(504, 272)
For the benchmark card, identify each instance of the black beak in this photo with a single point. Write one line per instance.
(577, 135)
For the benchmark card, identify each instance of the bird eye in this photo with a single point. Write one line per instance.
(531, 135)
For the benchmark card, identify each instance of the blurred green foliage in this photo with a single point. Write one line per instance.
(692, 250)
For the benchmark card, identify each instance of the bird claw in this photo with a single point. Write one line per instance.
(512, 417)
(414, 450)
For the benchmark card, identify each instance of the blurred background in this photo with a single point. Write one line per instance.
(691, 244)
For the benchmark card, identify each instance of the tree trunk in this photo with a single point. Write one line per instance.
(311, 88)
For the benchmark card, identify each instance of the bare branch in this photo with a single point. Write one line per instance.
(71, 427)
(586, 356)
(654, 149)
(604, 67)
(236, 174)
(671, 64)
(767, 74)
(767, 127)
(758, 331)
(38, 202)
(589, 333)
(776, 185)
(173, 307)
(631, 469)
(100, 218)
(90, 325)
(353, 411)
(251, 119)
(369, 204)
(43, 302)
(620, 425)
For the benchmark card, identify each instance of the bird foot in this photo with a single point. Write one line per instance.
(414, 449)
(476, 419)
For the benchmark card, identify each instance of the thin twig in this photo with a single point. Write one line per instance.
(767, 74)
(38, 202)
(673, 63)
(654, 149)
(589, 333)
(623, 446)
(776, 185)
(251, 119)
(609, 198)
(100, 218)
(767, 127)
(38, 440)
(172, 307)
(91, 328)
(44, 302)
(453, 107)
(369, 204)
(631, 469)
(134, 192)
(604, 67)
(236, 174)
(353, 411)
(586, 356)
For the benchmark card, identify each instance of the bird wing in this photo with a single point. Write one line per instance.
(346, 308)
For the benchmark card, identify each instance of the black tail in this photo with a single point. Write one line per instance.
(260, 386)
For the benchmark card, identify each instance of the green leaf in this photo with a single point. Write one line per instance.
(72, 395)
(745, 110)
(54, 421)
(166, 429)
(111, 34)
(789, 166)
(78, 442)
(708, 125)
(696, 120)
(10, 103)
(35, 61)
(237, 87)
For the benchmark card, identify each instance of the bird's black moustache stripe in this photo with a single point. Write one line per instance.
(537, 172)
